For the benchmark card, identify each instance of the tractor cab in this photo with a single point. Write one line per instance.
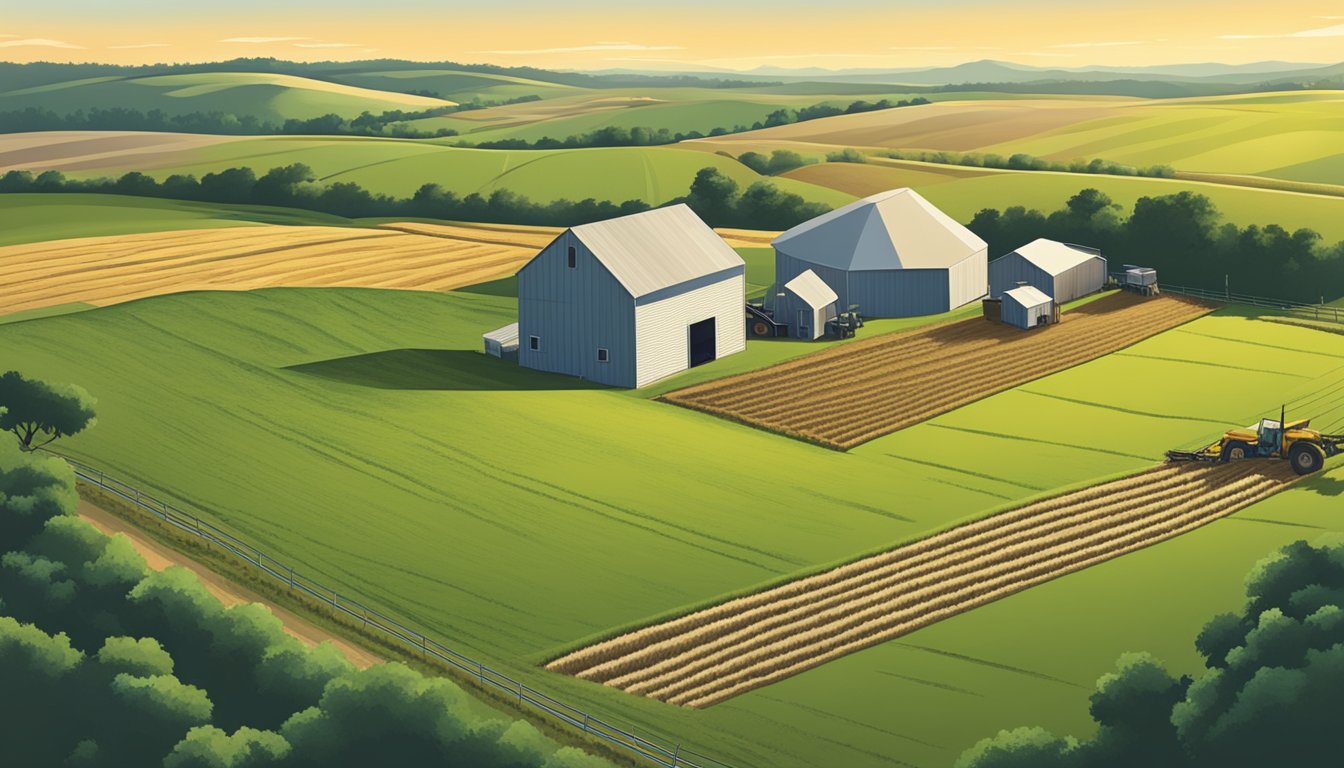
(1270, 436)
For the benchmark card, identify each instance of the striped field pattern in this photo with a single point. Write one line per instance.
(714, 654)
(852, 393)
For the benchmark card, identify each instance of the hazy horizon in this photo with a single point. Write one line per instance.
(733, 36)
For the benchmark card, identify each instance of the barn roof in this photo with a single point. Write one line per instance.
(811, 289)
(1028, 296)
(897, 229)
(657, 249)
(1055, 257)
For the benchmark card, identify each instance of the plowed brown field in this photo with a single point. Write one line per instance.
(714, 654)
(852, 393)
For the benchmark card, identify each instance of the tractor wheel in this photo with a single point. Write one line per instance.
(1235, 450)
(759, 328)
(1305, 458)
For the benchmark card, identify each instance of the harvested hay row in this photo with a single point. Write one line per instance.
(711, 655)
(108, 270)
(897, 380)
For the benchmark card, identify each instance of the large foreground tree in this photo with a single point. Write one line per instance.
(38, 413)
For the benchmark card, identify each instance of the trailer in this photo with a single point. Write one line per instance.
(1140, 280)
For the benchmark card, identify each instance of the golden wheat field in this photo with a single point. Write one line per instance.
(107, 270)
(412, 255)
(714, 654)
(891, 382)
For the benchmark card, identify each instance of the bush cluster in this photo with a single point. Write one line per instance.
(106, 663)
(1022, 161)
(1270, 695)
(763, 206)
(395, 123)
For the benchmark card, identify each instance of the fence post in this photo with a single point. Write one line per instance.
(520, 691)
(334, 608)
(585, 723)
(480, 670)
(291, 578)
(675, 756)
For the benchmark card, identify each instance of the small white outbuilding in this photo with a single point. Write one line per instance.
(502, 342)
(1026, 307)
(807, 305)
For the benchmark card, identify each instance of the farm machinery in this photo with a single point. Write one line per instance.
(1305, 449)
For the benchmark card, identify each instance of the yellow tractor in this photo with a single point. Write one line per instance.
(1305, 449)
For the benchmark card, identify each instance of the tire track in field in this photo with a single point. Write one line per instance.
(706, 657)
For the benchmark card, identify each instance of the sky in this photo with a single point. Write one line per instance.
(681, 34)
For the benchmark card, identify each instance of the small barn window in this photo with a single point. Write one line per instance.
(573, 257)
(534, 343)
(603, 355)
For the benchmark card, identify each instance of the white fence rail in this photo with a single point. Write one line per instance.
(659, 752)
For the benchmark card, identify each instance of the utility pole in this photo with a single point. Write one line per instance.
(1227, 292)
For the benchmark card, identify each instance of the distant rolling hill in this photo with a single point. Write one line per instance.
(458, 85)
(268, 97)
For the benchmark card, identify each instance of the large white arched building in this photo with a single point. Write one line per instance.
(893, 254)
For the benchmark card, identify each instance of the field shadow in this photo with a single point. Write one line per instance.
(505, 286)
(1325, 486)
(447, 370)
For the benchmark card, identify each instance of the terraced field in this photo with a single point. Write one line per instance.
(108, 270)
(891, 382)
(715, 654)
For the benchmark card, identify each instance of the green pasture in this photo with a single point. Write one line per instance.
(28, 218)
(457, 85)
(961, 192)
(264, 96)
(399, 167)
(361, 434)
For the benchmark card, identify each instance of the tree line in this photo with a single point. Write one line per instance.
(107, 663)
(1183, 236)
(616, 136)
(1021, 161)
(763, 206)
(1270, 694)
(392, 123)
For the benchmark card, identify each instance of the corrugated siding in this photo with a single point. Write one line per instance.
(1023, 317)
(1006, 272)
(1087, 277)
(895, 292)
(575, 311)
(662, 328)
(786, 311)
(968, 280)
(899, 293)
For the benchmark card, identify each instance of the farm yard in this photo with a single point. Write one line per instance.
(883, 384)
(855, 551)
(724, 651)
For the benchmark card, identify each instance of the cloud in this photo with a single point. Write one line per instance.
(261, 39)
(136, 46)
(944, 48)
(39, 42)
(327, 45)
(593, 47)
(1111, 44)
(1333, 31)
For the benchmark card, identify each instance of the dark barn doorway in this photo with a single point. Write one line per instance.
(703, 348)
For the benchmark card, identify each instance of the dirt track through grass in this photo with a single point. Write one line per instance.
(714, 654)
(853, 393)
